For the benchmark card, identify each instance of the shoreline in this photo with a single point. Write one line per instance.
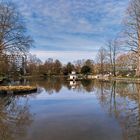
(120, 79)
(123, 79)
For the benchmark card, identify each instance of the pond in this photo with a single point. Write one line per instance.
(63, 110)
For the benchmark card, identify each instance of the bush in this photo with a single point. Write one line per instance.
(86, 70)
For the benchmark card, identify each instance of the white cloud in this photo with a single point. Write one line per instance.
(72, 15)
(72, 25)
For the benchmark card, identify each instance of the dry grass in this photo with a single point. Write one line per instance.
(17, 88)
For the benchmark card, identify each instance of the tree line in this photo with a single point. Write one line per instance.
(124, 65)
(56, 67)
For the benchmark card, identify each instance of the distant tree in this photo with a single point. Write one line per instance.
(126, 63)
(86, 70)
(90, 63)
(57, 67)
(64, 70)
(101, 60)
(70, 67)
(78, 65)
(48, 66)
(112, 48)
(33, 64)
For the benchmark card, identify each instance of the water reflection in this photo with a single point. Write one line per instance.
(121, 101)
(15, 117)
(88, 85)
(73, 84)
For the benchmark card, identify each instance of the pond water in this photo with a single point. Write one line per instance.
(63, 110)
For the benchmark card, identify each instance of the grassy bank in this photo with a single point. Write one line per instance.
(18, 89)
(133, 79)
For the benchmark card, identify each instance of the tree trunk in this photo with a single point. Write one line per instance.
(138, 66)
(138, 58)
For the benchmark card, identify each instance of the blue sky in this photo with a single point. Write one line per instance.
(71, 29)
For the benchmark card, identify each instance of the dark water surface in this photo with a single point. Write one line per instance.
(86, 110)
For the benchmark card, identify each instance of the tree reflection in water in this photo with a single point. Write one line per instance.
(119, 100)
(51, 85)
(122, 101)
(15, 117)
(88, 85)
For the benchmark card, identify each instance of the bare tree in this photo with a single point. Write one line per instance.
(33, 64)
(126, 63)
(13, 38)
(112, 49)
(101, 59)
(132, 30)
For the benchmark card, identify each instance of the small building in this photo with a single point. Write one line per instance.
(73, 76)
